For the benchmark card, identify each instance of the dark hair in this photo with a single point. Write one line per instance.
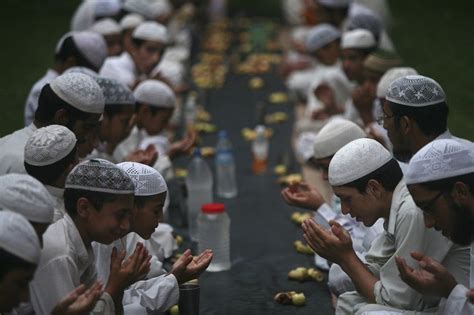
(113, 109)
(388, 175)
(9, 262)
(49, 173)
(432, 119)
(137, 42)
(96, 198)
(49, 103)
(446, 184)
(153, 109)
(69, 49)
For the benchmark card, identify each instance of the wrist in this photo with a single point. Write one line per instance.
(348, 261)
(449, 288)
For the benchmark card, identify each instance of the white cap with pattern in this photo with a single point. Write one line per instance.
(49, 145)
(27, 196)
(147, 180)
(415, 91)
(155, 93)
(101, 176)
(358, 39)
(356, 160)
(321, 35)
(390, 76)
(18, 237)
(151, 31)
(80, 91)
(334, 135)
(106, 27)
(115, 93)
(92, 46)
(441, 159)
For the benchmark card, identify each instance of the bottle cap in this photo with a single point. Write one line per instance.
(213, 208)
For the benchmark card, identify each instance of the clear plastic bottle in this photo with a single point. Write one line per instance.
(199, 186)
(225, 167)
(214, 233)
(260, 151)
(190, 109)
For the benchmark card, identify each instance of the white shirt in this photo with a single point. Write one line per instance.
(405, 232)
(31, 103)
(12, 150)
(158, 292)
(58, 196)
(65, 263)
(457, 302)
(121, 68)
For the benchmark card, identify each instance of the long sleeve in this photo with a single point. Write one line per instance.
(157, 294)
(457, 303)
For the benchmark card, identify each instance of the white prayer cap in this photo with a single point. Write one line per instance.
(160, 8)
(335, 4)
(415, 91)
(441, 159)
(155, 93)
(334, 135)
(304, 144)
(115, 92)
(131, 20)
(172, 71)
(147, 180)
(368, 21)
(18, 237)
(356, 160)
(107, 7)
(92, 46)
(390, 76)
(49, 145)
(100, 175)
(89, 10)
(358, 39)
(151, 31)
(79, 90)
(82, 70)
(27, 196)
(106, 27)
(321, 35)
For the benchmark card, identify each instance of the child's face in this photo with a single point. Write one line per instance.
(147, 55)
(329, 54)
(116, 128)
(146, 219)
(112, 221)
(14, 288)
(114, 44)
(157, 122)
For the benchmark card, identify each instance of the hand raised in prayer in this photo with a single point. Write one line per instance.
(335, 244)
(302, 195)
(79, 301)
(431, 279)
(124, 273)
(147, 156)
(182, 146)
(188, 267)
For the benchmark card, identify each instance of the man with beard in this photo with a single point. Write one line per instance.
(414, 113)
(440, 177)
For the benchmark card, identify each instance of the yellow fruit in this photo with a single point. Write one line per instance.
(179, 239)
(256, 83)
(298, 299)
(174, 310)
(280, 169)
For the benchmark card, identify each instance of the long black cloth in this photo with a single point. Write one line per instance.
(262, 234)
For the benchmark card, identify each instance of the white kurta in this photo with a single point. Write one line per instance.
(58, 196)
(32, 100)
(158, 292)
(405, 232)
(121, 68)
(65, 263)
(12, 149)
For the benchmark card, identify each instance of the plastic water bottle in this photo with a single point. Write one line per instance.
(199, 186)
(190, 109)
(260, 151)
(214, 233)
(225, 167)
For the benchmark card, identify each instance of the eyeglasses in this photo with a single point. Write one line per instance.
(429, 204)
(380, 120)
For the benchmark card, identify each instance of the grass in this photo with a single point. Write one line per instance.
(433, 36)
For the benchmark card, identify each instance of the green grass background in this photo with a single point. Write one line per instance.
(434, 36)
